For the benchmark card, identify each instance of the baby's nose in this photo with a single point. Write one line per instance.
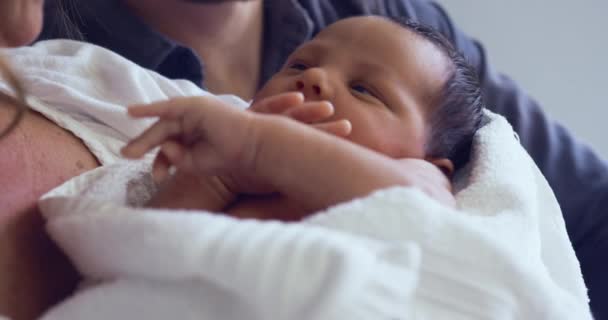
(316, 89)
(313, 83)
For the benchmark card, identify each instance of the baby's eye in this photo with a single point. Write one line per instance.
(366, 93)
(361, 89)
(298, 66)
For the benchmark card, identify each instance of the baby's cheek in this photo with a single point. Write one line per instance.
(276, 85)
(393, 143)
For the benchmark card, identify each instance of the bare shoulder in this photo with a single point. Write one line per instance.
(37, 156)
(34, 158)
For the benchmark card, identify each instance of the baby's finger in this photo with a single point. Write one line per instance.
(340, 128)
(278, 103)
(160, 168)
(158, 109)
(174, 152)
(154, 136)
(311, 112)
(170, 155)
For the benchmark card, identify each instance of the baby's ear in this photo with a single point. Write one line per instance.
(444, 164)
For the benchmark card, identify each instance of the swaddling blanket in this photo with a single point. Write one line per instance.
(395, 254)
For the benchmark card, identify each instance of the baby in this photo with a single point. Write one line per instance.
(389, 91)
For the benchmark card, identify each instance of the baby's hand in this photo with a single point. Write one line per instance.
(315, 113)
(197, 135)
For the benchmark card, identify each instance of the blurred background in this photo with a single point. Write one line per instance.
(557, 50)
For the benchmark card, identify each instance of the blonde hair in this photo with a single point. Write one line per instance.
(18, 101)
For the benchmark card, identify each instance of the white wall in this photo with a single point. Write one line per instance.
(557, 50)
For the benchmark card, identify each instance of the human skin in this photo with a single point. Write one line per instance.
(227, 32)
(210, 192)
(34, 274)
(20, 21)
(386, 90)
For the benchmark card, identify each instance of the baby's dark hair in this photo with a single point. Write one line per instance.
(458, 109)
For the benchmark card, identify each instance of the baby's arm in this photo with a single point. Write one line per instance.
(319, 170)
(200, 135)
(184, 190)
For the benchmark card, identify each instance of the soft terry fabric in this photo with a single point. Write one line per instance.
(395, 254)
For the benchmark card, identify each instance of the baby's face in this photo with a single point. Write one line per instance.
(378, 75)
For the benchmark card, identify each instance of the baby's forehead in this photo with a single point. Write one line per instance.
(379, 27)
(381, 37)
(386, 42)
(381, 49)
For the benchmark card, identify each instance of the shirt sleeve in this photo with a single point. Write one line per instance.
(578, 176)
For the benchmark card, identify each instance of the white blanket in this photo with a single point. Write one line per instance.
(396, 254)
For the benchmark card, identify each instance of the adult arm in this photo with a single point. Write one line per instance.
(577, 175)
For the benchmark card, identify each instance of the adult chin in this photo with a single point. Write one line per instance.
(20, 21)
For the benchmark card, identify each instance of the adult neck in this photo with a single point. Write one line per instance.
(189, 22)
(227, 35)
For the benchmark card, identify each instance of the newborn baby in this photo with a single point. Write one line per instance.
(389, 91)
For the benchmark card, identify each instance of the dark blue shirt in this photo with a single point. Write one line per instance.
(578, 177)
